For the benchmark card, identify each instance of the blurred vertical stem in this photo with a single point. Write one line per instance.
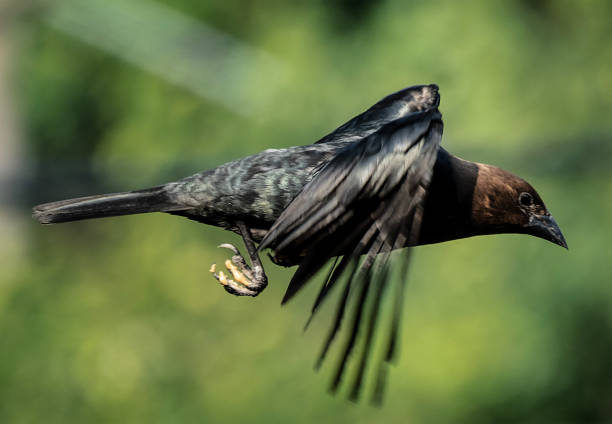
(12, 161)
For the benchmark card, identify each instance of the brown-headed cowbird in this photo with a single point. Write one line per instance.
(377, 184)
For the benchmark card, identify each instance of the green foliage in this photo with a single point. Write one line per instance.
(118, 320)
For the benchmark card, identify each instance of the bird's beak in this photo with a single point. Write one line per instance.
(545, 226)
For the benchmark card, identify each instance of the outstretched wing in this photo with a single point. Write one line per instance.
(392, 107)
(364, 203)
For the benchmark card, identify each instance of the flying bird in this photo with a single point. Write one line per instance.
(376, 185)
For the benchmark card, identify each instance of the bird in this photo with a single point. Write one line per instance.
(355, 202)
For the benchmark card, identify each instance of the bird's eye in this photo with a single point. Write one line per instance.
(525, 199)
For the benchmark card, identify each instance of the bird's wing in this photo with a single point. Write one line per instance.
(365, 202)
(392, 107)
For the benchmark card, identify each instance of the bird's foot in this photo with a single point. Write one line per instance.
(245, 281)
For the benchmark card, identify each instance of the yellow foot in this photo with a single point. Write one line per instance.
(244, 281)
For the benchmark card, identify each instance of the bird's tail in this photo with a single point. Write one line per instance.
(103, 205)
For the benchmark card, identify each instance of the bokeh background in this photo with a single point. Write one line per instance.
(118, 320)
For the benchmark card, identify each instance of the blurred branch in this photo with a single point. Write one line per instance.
(175, 47)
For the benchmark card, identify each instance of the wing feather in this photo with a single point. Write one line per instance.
(392, 107)
(364, 203)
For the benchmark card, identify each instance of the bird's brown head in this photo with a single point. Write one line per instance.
(505, 203)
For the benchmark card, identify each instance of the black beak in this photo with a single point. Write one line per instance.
(545, 226)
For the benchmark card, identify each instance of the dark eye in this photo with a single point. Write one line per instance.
(525, 199)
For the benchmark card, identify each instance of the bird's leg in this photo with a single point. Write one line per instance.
(246, 280)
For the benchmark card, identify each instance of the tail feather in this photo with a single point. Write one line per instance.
(103, 205)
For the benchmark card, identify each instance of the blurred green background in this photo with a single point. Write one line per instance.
(118, 320)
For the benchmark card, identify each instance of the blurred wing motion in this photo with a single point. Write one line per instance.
(361, 205)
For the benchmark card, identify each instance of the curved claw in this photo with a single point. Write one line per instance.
(230, 247)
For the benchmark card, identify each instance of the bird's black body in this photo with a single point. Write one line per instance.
(378, 183)
(255, 189)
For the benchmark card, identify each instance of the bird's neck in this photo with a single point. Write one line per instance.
(448, 208)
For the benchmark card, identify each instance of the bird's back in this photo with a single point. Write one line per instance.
(254, 189)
